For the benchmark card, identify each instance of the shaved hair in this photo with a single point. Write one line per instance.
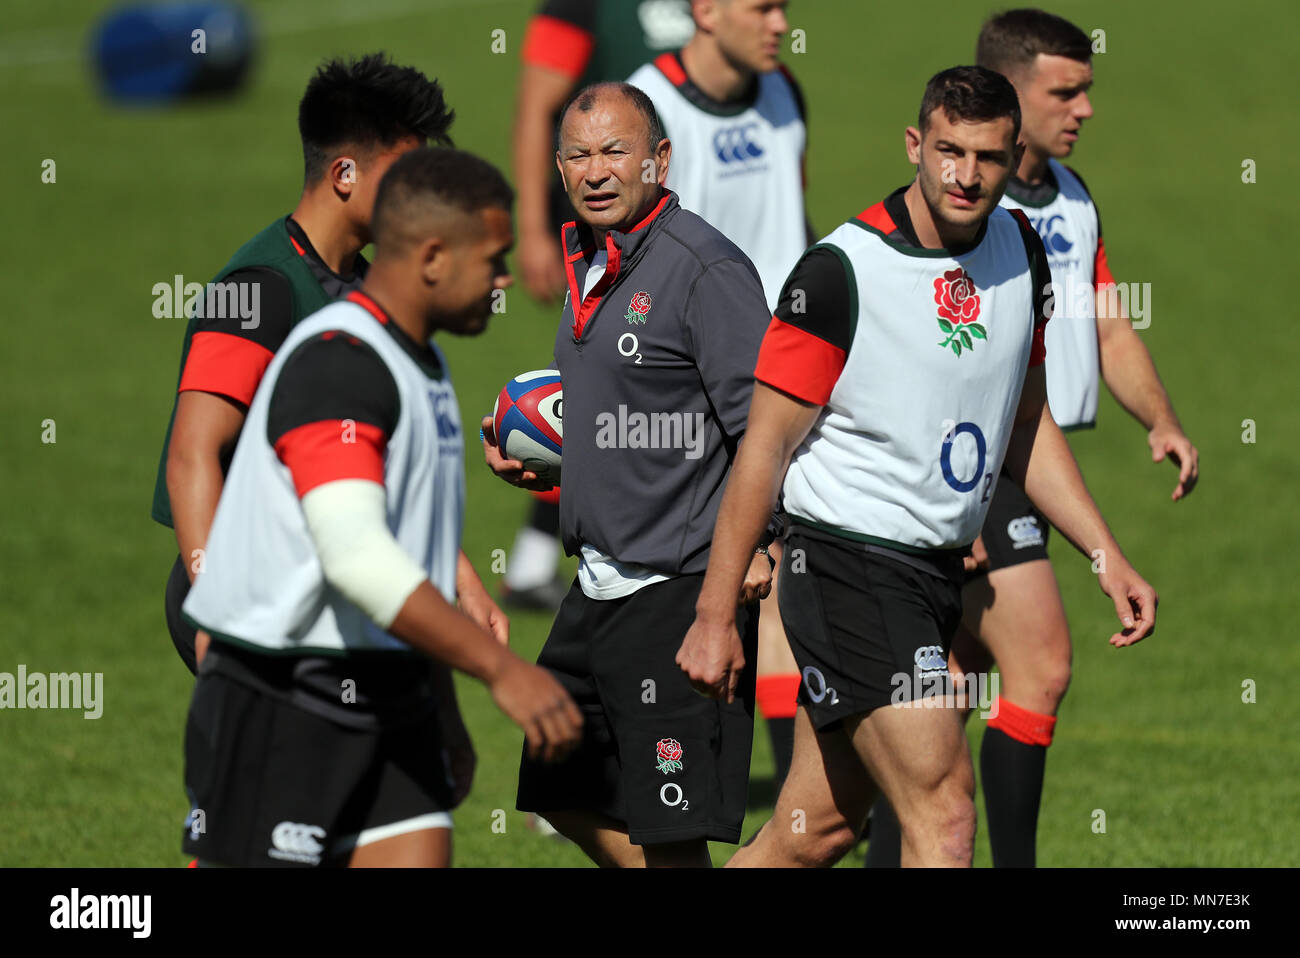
(425, 187)
(586, 99)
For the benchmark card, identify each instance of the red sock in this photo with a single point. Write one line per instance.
(1032, 728)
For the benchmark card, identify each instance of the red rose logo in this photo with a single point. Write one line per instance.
(959, 307)
(669, 751)
(638, 308)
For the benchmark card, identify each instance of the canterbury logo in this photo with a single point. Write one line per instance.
(296, 842)
(1024, 531)
(1048, 228)
(930, 658)
(734, 144)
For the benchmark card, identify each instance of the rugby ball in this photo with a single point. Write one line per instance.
(529, 422)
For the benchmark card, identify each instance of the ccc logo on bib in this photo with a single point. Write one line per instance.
(734, 144)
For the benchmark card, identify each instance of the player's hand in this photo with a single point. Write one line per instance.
(532, 699)
(459, 754)
(712, 657)
(1170, 441)
(1135, 602)
(978, 560)
(541, 265)
(511, 470)
(474, 601)
(758, 580)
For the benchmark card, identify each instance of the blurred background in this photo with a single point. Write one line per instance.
(1157, 736)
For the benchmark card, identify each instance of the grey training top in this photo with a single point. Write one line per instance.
(657, 364)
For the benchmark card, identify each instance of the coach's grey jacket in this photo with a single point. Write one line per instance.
(657, 366)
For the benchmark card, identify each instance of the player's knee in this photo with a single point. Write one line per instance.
(823, 847)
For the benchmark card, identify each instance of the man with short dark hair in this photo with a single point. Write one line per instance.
(1014, 613)
(656, 350)
(315, 730)
(354, 120)
(885, 436)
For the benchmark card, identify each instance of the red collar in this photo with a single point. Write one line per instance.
(369, 305)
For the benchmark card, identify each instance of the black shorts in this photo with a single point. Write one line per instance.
(1014, 531)
(273, 784)
(657, 756)
(182, 633)
(867, 629)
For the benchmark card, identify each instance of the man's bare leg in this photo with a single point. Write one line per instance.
(821, 808)
(605, 842)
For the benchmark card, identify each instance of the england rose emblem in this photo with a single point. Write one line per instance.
(669, 752)
(638, 308)
(959, 307)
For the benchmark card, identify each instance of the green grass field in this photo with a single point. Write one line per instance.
(1157, 736)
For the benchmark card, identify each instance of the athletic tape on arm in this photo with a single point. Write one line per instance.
(359, 556)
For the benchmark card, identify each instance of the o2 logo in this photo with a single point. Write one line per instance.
(981, 450)
(672, 796)
(819, 691)
(628, 345)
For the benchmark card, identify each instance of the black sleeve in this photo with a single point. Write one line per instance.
(331, 377)
(581, 13)
(255, 303)
(817, 298)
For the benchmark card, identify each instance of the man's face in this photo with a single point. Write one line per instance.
(963, 167)
(748, 31)
(472, 267)
(612, 176)
(1054, 103)
(369, 169)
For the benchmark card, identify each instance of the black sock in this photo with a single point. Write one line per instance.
(545, 517)
(1012, 774)
(781, 731)
(884, 847)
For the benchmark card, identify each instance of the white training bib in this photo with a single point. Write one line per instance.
(268, 589)
(1068, 226)
(743, 173)
(910, 444)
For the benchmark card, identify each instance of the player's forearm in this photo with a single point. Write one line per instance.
(429, 623)
(746, 508)
(1039, 458)
(467, 577)
(1130, 374)
(194, 483)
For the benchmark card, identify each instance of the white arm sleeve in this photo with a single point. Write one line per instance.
(358, 554)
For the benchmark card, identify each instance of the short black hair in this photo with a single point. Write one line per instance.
(447, 177)
(586, 98)
(366, 103)
(971, 94)
(1012, 40)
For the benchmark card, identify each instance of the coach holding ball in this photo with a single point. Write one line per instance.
(656, 350)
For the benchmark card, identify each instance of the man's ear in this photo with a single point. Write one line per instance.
(343, 175)
(559, 165)
(912, 141)
(663, 153)
(1017, 154)
(433, 259)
